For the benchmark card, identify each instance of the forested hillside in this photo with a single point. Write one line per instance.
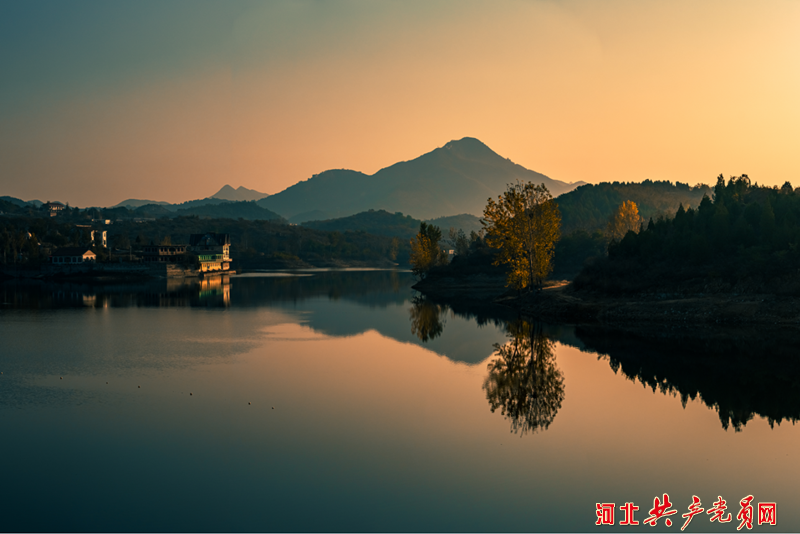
(378, 222)
(590, 206)
(381, 222)
(745, 240)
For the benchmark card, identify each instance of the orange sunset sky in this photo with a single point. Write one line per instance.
(101, 101)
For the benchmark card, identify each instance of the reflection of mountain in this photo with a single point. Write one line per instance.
(739, 373)
(348, 303)
(460, 339)
(335, 303)
(371, 288)
(524, 382)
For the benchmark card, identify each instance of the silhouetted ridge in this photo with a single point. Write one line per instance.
(454, 179)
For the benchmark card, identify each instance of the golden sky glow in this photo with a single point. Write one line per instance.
(274, 92)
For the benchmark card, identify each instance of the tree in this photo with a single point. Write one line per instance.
(524, 224)
(524, 382)
(459, 241)
(427, 318)
(625, 219)
(425, 250)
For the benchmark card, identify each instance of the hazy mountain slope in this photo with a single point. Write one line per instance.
(377, 222)
(152, 210)
(197, 203)
(381, 222)
(335, 192)
(239, 194)
(457, 178)
(7, 207)
(20, 202)
(590, 206)
(247, 210)
(313, 215)
(134, 203)
(465, 221)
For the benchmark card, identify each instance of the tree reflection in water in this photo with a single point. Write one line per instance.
(427, 318)
(523, 381)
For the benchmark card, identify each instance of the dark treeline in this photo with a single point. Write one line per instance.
(743, 240)
(259, 243)
(585, 213)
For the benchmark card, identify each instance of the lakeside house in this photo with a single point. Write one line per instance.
(73, 255)
(54, 208)
(163, 253)
(100, 238)
(213, 250)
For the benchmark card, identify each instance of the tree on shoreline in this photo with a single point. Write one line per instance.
(425, 250)
(524, 224)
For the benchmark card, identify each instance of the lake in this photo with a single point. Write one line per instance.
(344, 401)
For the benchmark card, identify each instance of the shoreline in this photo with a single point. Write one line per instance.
(560, 303)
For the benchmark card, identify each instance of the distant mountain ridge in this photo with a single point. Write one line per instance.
(22, 203)
(225, 194)
(134, 203)
(454, 179)
(381, 222)
(239, 194)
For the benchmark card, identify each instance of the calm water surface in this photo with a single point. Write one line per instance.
(341, 401)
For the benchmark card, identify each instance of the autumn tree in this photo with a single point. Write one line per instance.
(425, 250)
(524, 382)
(524, 224)
(625, 219)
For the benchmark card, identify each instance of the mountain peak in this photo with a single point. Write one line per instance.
(455, 178)
(469, 147)
(466, 142)
(237, 195)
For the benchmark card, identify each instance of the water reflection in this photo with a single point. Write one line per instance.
(212, 292)
(524, 382)
(739, 373)
(427, 318)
